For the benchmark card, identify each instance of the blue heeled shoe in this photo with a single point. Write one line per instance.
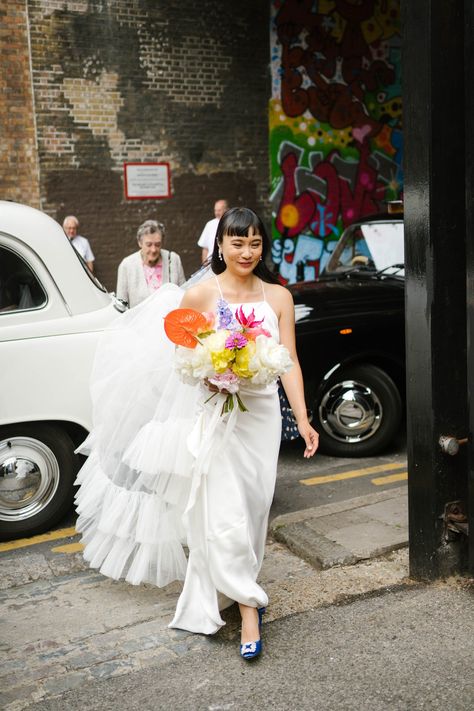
(251, 650)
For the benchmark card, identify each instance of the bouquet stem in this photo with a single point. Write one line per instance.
(228, 404)
(242, 407)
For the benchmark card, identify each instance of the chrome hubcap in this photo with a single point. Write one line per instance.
(29, 477)
(350, 411)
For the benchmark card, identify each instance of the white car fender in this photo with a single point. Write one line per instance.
(48, 379)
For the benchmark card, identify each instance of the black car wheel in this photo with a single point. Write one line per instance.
(358, 413)
(37, 471)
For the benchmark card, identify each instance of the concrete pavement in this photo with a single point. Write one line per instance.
(342, 609)
(63, 630)
(407, 650)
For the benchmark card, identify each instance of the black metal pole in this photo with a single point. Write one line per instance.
(469, 152)
(433, 122)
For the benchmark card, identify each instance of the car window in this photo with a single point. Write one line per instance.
(356, 251)
(351, 250)
(385, 241)
(20, 289)
(375, 245)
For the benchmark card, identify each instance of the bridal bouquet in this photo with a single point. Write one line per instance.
(225, 350)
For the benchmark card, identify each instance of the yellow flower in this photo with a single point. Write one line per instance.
(220, 355)
(242, 360)
(221, 360)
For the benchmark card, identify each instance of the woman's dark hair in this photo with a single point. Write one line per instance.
(236, 222)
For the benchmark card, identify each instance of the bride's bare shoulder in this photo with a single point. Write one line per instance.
(279, 293)
(199, 296)
(280, 299)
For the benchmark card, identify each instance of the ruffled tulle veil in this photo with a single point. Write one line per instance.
(136, 480)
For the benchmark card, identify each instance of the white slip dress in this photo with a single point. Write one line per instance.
(166, 469)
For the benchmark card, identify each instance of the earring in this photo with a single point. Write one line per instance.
(220, 255)
(260, 259)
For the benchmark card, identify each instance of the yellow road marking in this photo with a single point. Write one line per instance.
(25, 542)
(351, 474)
(388, 479)
(68, 548)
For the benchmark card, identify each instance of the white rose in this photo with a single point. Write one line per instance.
(193, 364)
(270, 360)
(216, 341)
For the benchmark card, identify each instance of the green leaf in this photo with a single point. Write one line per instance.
(242, 407)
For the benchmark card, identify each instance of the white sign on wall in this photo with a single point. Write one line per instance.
(143, 181)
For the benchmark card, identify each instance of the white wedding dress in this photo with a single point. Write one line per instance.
(165, 469)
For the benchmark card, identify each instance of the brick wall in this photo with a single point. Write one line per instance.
(135, 80)
(18, 157)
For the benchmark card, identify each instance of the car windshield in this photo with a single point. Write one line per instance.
(373, 245)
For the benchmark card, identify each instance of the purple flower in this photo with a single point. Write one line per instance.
(236, 340)
(225, 317)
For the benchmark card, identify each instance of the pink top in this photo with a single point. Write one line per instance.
(154, 275)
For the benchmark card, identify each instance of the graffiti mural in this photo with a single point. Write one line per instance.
(335, 124)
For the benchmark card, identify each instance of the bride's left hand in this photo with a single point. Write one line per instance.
(311, 439)
(214, 389)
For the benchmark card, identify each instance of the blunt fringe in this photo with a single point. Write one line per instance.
(236, 222)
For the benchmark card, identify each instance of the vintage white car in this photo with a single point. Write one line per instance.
(52, 311)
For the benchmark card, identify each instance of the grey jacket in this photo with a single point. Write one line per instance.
(131, 282)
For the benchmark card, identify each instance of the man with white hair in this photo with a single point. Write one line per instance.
(208, 235)
(80, 244)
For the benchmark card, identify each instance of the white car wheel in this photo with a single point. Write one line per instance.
(37, 470)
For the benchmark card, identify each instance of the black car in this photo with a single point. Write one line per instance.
(351, 339)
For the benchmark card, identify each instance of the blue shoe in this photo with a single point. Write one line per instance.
(250, 650)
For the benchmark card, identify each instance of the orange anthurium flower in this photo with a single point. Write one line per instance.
(182, 326)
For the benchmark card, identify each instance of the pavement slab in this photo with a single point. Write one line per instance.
(346, 532)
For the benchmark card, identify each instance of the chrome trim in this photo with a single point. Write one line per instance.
(29, 477)
(350, 412)
(302, 311)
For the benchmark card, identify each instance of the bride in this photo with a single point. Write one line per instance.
(167, 469)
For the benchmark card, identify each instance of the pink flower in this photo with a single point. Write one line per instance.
(252, 333)
(227, 381)
(247, 321)
(252, 327)
(236, 340)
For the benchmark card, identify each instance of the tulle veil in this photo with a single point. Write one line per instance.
(136, 483)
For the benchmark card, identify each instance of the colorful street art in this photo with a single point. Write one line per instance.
(335, 124)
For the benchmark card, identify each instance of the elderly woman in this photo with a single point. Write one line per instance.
(140, 274)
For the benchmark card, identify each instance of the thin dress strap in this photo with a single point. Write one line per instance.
(222, 295)
(219, 286)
